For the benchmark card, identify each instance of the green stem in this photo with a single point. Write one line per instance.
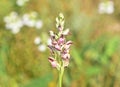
(60, 76)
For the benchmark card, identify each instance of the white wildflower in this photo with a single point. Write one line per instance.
(42, 47)
(101, 8)
(110, 7)
(13, 22)
(15, 31)
(30, 20)
(38, 24)
(49, 41)
(21, 2)
(37, 40)
(106, 7)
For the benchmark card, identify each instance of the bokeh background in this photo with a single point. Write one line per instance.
(95, 32)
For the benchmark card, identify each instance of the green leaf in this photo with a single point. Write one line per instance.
(3, 55)
(112, 46)
(76, 56)
(40, 82)
(93, 70)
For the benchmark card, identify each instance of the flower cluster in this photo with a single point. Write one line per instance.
(60, 48)
(30, 20)
(41, 46)
(15, 22)
(106, 7)
(21, 2)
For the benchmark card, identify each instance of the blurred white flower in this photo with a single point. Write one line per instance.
(49, 42)
(21, 2)
(15, 31)
(42, 47)
(37, 40)
(110, 7)
(106, 7)
(13, 22)
(12, 15)
(38, 24)
(30, 20)
(101, 8)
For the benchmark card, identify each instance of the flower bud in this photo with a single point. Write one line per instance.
(61, 15)
(66, 32)
(51, 33)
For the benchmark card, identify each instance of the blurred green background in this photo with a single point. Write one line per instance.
(95, 53)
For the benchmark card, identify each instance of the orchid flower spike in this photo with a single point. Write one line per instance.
(60, 47)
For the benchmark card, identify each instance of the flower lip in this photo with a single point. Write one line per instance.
(51, 59)
(65, 56)
(69, 42)
(57, 47)
(53, 62)
(54, 42)
(51, 48)
(67, 45)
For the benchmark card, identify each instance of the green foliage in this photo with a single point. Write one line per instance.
(112, 46)
(76, 57)
(40, 82)
(6, 7)
(93, 71)
(3, 57)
